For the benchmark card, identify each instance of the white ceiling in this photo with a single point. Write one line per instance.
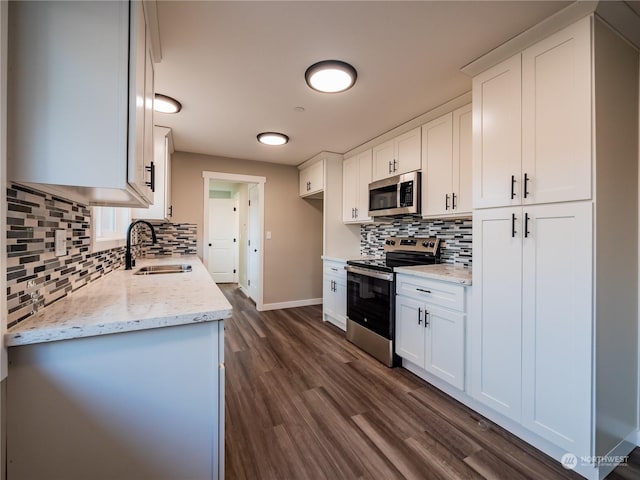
(238, 67)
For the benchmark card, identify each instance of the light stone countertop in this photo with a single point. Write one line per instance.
(442, 271)
(123, 302)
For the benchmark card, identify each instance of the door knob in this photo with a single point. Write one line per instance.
(255, 250)
(210, 245)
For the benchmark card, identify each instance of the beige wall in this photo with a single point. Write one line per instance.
(292, 267)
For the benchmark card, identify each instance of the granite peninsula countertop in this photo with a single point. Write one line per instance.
(123, 302)
(442, 271)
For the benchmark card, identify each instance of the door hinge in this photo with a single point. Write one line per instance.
(248, 283)
(249, 202)
(234, 270)
(234, 209)
(234, 240)
(249, 242)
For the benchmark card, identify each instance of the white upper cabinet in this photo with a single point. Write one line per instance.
(78, 94)
(462, 151)
(397, 156)
(356, 176)
(496, 135)
(556, 117)
(437, 165)
(312, 180)
(161, 209)
(446, 164)
(532, 124)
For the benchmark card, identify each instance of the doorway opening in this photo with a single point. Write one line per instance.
(233, 230)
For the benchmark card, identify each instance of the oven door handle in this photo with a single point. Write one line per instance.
(369, 273)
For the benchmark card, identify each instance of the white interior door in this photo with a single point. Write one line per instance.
(253, 243)
(223, 226)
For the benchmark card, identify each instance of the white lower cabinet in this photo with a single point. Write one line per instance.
(131, 405)
(531, 335)
(428, 335)
(334, 293)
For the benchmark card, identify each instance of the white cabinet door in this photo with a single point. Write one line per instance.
(557, 324)
(161, 207)
(444, 350)
(407, 152)
(437, 168)
(349, 189)
(137, 103)
(383, 157)
(150, 183)
(356, 176)
(312, 179)
(364, 179)
(334, 293)
(495, 333)
(397, 156)
(410, 330)
(556, 116)
(497, 135)
(461, 201)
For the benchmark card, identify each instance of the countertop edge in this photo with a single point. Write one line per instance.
(56, 334)
(450, 278)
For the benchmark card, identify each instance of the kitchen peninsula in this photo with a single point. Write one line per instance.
(124, 379)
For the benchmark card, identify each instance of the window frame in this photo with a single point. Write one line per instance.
(115, 238)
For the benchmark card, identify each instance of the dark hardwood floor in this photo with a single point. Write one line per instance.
(303, 403)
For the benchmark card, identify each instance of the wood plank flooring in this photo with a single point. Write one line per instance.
(303, 403)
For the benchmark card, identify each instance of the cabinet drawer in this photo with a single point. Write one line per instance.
(336, 270)
(435, 292)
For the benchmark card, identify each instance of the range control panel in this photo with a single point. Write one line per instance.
(412, 244)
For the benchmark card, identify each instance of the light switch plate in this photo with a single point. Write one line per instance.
(61, 243)
(268, 235)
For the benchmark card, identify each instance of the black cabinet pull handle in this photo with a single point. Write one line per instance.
(390, 170)
(423, 290)
(446, 202)
(526, 180)
(526, 225)
(426, 318)
(419, 315)
(513, 225)
(356, 212)
(152, 183)
(453, 201)
(170, 210)
(513, 187)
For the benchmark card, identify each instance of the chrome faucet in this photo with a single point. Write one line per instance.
(128, 261)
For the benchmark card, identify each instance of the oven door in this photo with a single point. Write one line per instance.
(371, 299)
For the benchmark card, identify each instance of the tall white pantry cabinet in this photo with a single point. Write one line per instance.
(553, 339)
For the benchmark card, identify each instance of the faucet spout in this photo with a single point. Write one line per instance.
(128, 259)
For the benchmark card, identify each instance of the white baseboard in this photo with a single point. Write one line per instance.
(292, 304)
(244, 291)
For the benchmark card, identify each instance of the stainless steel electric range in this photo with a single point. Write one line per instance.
(371, 289)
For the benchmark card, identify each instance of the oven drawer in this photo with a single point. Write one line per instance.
(435, 292)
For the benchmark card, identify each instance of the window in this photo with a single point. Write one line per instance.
(110, 227)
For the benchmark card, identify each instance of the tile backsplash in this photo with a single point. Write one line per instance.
(173, 239)
(36, 277)
(455, 236)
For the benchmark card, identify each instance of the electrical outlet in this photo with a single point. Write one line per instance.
(61, 242)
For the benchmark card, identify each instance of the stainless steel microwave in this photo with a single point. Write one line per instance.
(399, 195)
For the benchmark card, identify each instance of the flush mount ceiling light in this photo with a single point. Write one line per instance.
(273, 138)
(165, 104)
(331, 76)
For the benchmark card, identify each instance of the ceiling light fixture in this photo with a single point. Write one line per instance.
(331, 76)
(165, 104)
(273, 138)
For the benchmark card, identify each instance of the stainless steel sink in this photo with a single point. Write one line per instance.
(157, 269)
